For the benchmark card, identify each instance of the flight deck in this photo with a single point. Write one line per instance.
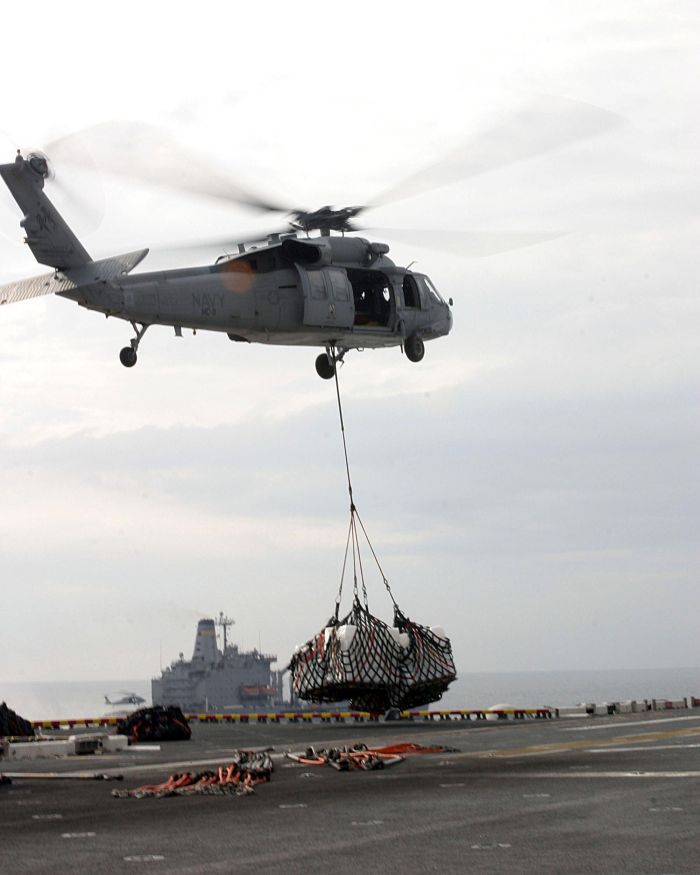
(606, 794)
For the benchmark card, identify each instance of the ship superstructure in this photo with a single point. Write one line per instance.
(226, 679)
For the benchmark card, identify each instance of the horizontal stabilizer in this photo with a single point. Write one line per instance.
(34, 287)
(101, 271)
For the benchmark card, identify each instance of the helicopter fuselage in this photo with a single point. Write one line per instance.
(294, 292)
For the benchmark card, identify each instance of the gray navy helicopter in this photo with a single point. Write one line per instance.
(334, 290)
(127, 699)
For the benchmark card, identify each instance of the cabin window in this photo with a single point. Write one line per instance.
(372, 295)
(410, 291)
(339, 285)
(317, 285)
(261, 262)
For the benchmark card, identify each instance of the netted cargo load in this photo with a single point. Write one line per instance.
(159, 723)
(376, 666)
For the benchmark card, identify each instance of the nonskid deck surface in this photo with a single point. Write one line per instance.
(608, 794)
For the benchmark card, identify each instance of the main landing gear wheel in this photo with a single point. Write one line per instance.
(127, 357)
(414, 348)
(325, 367)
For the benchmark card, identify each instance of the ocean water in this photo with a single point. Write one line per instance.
(533, 689)
(79, 699)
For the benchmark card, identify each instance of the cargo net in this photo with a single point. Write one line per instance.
(361, 658)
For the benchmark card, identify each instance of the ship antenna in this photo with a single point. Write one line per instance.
(225, 622)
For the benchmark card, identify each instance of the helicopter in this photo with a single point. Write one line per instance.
(333, 290)
(128, 699)
(336, 292)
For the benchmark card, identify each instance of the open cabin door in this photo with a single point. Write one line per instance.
(328, 300)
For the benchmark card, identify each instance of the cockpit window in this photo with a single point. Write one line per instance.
(431, 290)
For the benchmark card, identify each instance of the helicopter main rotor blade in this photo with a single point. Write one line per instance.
(150, 154)
(546, 124)
(470, 244)
(228, 245)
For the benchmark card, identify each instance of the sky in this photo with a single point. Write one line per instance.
(531, 485)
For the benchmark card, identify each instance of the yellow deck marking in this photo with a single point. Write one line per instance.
(617, 741)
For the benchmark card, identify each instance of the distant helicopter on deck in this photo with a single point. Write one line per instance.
(128, 699)
(333, 290)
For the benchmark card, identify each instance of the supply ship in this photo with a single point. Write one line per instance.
(220, 680)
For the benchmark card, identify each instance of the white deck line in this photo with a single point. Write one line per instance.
(586, 774)
(639, 748)
(624, 724)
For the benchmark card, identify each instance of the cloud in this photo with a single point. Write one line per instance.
(532, 484)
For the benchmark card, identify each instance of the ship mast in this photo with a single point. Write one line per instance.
(224, 622)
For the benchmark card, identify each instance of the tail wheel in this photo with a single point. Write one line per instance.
(325, 367)
(414, 348)
(127, 357)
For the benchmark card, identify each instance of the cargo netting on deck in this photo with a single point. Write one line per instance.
(159, 723)
(360, 657)
(11, 724)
